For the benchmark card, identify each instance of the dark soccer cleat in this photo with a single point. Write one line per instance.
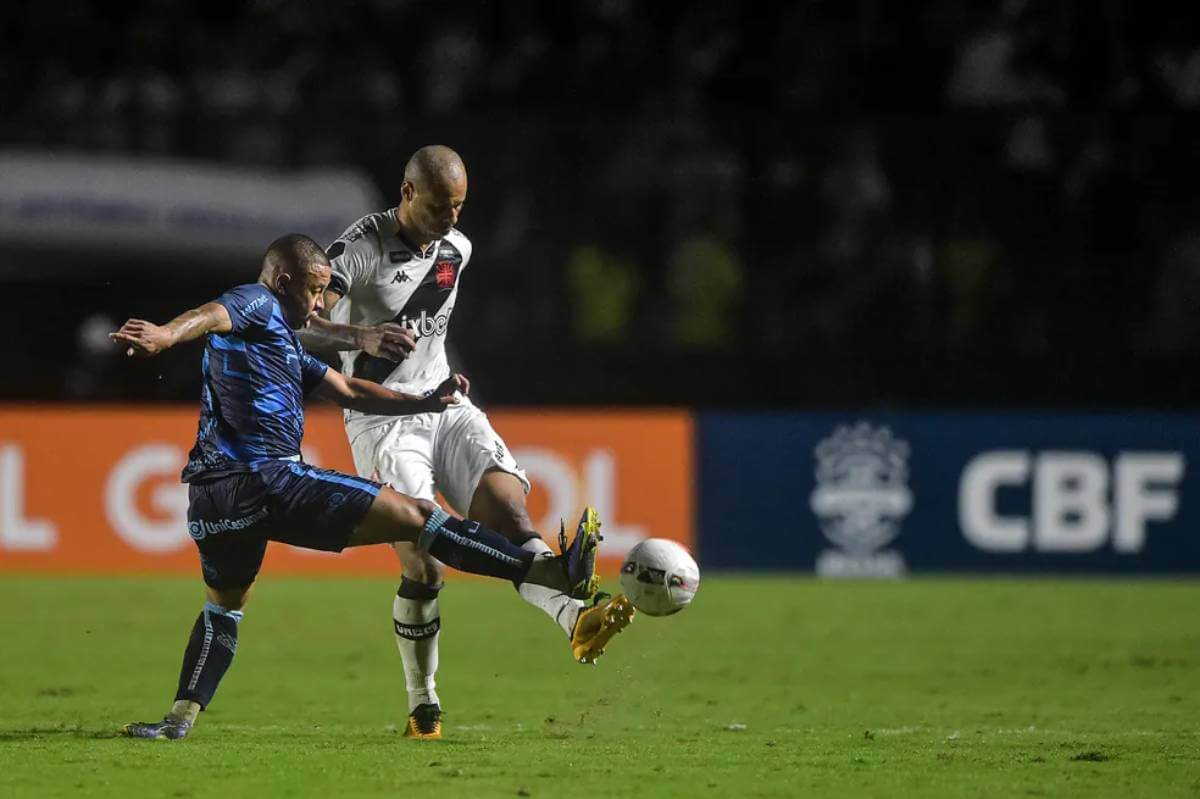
(579, 559)
(168, 729)
(425, 723)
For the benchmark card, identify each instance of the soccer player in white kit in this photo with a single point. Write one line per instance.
(395, 279)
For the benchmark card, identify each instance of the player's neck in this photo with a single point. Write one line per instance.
(408, 234)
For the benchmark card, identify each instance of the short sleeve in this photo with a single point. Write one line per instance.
(249, 306)
(312, 372)
(352, 257)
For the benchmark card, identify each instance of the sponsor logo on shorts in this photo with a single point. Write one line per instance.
(226, 640)
(199, 530)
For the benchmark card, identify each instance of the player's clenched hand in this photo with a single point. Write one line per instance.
(143, 339)
(389, 341)
(450, 392)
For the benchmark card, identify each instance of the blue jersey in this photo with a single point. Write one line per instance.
(255, 379)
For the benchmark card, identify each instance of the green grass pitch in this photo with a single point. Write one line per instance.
(765, 687)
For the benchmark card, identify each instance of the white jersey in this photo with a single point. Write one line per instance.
(382, 279)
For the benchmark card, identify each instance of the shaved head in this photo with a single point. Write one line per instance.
(435, 165)
(297, 271)
(432, 195)
(294, 254)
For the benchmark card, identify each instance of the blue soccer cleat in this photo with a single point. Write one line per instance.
(169, 729)
(579, 559)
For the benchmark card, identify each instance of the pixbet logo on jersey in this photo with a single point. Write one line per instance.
(426, 325)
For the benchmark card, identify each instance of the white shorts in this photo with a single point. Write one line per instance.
(422, 454)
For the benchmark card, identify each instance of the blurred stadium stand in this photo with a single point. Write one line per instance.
(706, 203)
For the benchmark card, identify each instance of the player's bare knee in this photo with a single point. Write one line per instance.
(417, 512)
(425, 570)
(420, 566)
(424, 508)
(230, 598)
(393, 519)
(435, 574)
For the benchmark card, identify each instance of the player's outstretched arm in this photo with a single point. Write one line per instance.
(368, 397)
(390, 341)
(144, 339)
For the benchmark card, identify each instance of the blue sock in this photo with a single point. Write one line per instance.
(209, 653)
(470, 547)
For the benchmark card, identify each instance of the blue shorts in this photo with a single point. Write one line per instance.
(231, 518)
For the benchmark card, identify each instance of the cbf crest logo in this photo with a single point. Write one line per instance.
(861, 497)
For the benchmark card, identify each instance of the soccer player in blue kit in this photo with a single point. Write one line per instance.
(247, 484)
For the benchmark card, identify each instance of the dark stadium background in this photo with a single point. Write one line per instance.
(808, 204)
(820, 289)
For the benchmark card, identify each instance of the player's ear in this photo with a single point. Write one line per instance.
(407, 190)
(282, 279)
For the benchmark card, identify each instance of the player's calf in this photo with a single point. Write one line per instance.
(209, 654)
(417, 622)
(499, 503)
(417, 565)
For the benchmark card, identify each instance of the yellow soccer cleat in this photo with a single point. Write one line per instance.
(598, 624)
(424, 723)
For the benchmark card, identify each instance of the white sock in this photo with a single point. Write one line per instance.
(417, 627)
(556, 604)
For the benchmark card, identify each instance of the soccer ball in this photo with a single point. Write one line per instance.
(659, 577)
